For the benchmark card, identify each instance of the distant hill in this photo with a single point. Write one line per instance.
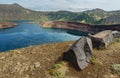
(13, 12)
(113, 19)
(95, 16)
(17, 12)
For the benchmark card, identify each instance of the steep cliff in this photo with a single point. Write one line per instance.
(80, 26)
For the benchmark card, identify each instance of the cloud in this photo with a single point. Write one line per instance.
(66, 4)
(97, 1)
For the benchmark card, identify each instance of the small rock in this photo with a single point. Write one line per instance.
(27, 76)
(114, 50)
(37, 64)
(17, 51)
(70, 45)
(18, 63)
(89, 73)
(110, 75)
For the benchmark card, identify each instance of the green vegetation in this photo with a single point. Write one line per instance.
(95, 16)
(118, 40)
(58, 70)
(116, 68)
(93, 61)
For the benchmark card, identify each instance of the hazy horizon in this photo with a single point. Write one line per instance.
(67, 5)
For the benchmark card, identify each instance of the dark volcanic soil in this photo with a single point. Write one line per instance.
(34, 62)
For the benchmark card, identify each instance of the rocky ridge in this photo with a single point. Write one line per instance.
(93, 29)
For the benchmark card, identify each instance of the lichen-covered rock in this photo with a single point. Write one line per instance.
(80, 53)
(116, 34)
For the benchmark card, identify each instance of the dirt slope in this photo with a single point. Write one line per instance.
(34, 62)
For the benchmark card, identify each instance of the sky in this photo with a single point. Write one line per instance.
(70, 5)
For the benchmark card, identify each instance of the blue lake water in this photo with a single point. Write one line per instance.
(26, 34)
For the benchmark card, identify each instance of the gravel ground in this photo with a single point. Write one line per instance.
(35, 62)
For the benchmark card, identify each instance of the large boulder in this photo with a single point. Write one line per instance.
(80, 53)
(102, 39)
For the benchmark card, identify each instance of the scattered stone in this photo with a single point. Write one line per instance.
(114, 50)
(18, 63)
(27, 76)
(80, 53)
(23, 64)
(70, 44)
(109, 75)
(37, 64)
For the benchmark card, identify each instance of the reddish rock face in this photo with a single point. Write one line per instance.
(7, 25)
(80, 26)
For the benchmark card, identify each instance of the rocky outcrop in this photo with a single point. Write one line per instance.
(7, 25)
(80, 53)
(102, 39)
(93, 29)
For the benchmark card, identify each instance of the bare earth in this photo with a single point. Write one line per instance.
(34, 62)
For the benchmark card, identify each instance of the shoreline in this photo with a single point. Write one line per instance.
(37, 45)
(89, 28)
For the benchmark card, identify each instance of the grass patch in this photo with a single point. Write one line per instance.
(58, 70)
(93, 61)
(118, 40)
